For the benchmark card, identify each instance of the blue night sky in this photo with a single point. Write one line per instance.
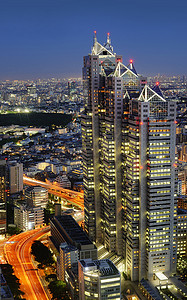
(48, 38)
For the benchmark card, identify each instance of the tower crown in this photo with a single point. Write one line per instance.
(149, 94)
(106, 49)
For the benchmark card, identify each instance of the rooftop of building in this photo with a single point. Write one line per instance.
(35, 188)
(69, 228)
(2, 162)
(152, 291)
(67, 247)
(104, 266)
(14, 163)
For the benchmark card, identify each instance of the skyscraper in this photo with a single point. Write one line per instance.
(128, 136)
(150, 189)
(102, 138)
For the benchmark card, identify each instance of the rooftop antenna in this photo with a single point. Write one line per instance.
(108, 38)
(95, 37)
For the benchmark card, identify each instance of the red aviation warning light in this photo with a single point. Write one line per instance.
(131, 61)
(157, 83)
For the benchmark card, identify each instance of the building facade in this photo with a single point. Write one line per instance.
(182, 232)
(67, 257)
(151, 187)
(98, 279)
(64, 229)
(27, 218)
(36, 196)
(129, 169)
(15, 171)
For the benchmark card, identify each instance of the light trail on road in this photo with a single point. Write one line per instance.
(17, 252)
(70, 196)
(48, 184)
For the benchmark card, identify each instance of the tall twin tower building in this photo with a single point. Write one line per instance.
(128, 135)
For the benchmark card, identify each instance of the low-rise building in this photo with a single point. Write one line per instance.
(65, 229)
(182, 232)
(71, 278)
(182, 202)
(63, 181)
(36, 196)
(98, 279)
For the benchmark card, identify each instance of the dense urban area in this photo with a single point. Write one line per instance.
(42, 198)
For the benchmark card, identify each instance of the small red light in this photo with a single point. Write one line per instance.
(141, 123)
(141, 167)
(131, 61)
(175, 122)
(157, 83)
(108, 33)
(95, 31)
(6, 158)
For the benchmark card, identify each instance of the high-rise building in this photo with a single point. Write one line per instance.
(128, 137)
(15, 177)
(3, 176)
(27, 218)
(102, 133)
(151, 186)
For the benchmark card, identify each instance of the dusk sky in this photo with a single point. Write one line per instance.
(48, 38)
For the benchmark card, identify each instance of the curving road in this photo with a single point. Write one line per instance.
(70, 196)
(17, 252)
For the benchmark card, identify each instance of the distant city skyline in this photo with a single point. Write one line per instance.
(44, 39)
